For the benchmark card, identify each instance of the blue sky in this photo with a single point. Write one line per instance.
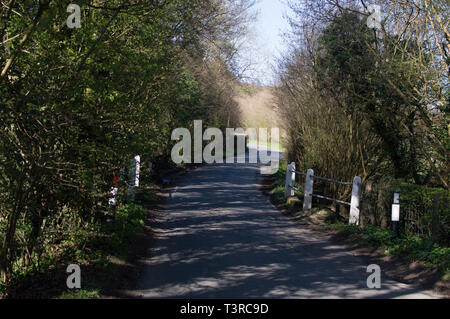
(266, 40)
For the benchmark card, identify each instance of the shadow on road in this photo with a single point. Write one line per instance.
(220, 237)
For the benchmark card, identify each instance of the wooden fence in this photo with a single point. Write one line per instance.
(308, 191)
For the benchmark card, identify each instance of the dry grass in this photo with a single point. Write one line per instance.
(259, 110)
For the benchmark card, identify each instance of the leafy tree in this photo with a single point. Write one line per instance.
(77, 104)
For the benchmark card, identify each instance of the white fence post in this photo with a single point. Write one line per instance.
(137, 159)
(135, 166)
(354, 204)
(309, 184)
(290, 181)
(114, 190)
(112, 202)
(395, 212)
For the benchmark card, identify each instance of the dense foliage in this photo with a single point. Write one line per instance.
(425, 250)
(77, 104)
(359, 101)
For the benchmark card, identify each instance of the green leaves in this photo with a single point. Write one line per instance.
(77, 104)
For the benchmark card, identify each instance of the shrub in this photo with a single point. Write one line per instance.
(128, 220)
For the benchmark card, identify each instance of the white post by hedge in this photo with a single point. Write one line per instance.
(354, 204)
(290, 181)
(135, 166)
(395, 212)
(309, 185)
(113, 199)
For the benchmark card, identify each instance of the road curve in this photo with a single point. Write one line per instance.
(220, 237)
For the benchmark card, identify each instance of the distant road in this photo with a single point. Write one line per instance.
(220, 237)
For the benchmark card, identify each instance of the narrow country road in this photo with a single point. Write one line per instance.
(220, 237)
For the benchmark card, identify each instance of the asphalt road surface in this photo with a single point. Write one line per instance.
(220, 237)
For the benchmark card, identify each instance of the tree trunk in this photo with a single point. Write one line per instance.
(6, 258)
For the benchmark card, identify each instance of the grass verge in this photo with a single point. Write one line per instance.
(98, 249)
(425, 251)
(107, 253)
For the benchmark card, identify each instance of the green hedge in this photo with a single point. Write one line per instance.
(424, 210)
